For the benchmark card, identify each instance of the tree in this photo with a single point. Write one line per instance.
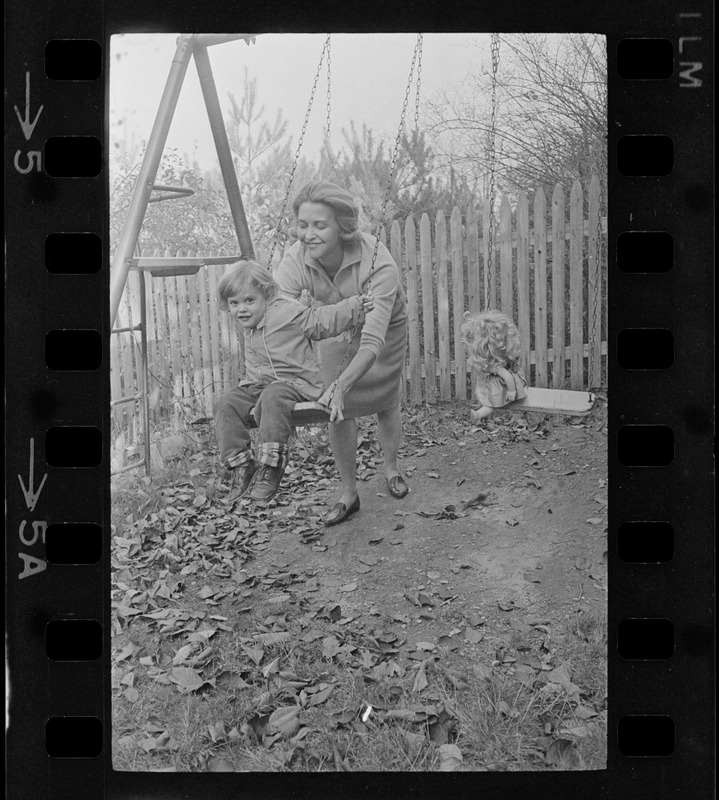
(200, 222)
(552, 114)
(263, 159)
(363, 165)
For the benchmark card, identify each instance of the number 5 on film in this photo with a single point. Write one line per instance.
(34, 161)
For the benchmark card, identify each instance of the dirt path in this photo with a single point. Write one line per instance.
(535, 545)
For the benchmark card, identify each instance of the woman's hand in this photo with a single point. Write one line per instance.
(306, 299)
(367, 301)
(334, 399)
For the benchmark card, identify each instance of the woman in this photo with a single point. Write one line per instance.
(330, 262)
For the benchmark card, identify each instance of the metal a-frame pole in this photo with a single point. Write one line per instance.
(148, 170)
(224, 154)
(187, 45)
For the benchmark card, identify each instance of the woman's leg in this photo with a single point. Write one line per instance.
(389, 425)
(343, 440)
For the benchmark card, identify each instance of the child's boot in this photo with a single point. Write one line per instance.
(266, 483)
(273, 458)
(241, 479)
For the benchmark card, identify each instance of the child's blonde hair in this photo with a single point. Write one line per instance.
(491, 339)
(241, 273)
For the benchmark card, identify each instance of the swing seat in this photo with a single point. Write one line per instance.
(305, 413)
(554, 401)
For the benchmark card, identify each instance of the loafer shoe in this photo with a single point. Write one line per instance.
(397, 487)
(339, 512)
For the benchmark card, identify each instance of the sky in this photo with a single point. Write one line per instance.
(369, 76)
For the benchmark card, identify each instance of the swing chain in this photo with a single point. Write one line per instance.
(419, 79)
(329, 88)
(325, 49)
(595, 299)
(393, 162)
(395, 152)
(492, 157)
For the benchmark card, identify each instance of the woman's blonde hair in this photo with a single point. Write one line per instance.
(341, 202)
(491, 340)
(241, 273)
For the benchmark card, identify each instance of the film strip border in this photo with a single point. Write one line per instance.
(661, 510)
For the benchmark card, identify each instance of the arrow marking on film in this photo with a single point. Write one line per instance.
(27, 126)
(31, 496)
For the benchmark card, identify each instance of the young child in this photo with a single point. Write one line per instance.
(281, 370)
(492, 343)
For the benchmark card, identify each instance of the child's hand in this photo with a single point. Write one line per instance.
(367, 301)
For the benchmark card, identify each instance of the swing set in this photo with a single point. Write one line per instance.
(146, 191)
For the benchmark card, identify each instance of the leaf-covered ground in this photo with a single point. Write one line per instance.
(462, 628)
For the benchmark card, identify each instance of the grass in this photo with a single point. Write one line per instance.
(497, 705)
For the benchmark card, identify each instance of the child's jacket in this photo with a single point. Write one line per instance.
(280, 347)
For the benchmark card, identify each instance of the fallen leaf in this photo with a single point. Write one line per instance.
(414, 742)
(582, 563)
(560, 753)
(187, 679)
(231, 680)
(450, 758)
(131, 695)
(126, 652)
(330, 647)
(595, 520)
(584, 712)
(344, 717)
(369, 560)
(182, 654)
(284, 720)
(322, 695)
(255, 653)
(473, 636)
(512, 712)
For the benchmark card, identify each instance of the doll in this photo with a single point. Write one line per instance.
(492, 343)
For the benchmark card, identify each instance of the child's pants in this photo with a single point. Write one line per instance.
(273, 412)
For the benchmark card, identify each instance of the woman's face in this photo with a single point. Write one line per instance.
(318, 230)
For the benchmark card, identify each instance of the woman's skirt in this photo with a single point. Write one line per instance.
(379, 388)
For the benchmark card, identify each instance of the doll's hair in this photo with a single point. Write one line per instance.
(341, 202)
(491, 340)
(240, 274)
